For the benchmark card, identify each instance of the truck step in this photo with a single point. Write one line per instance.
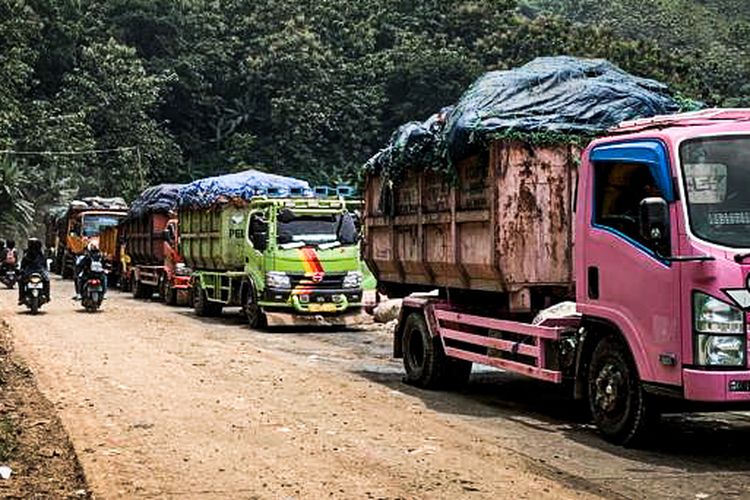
(509, 345)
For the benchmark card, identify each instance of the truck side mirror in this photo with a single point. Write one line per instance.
(168, 236)
(654, 223)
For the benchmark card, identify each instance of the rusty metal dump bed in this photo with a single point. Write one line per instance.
(505, 225)
(145, 238)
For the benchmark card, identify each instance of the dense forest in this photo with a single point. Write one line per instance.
(136, 92)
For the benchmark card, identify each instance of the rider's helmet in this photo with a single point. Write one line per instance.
(34, 245)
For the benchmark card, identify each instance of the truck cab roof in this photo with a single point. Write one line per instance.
(713, 121)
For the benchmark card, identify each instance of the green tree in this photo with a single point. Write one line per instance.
(16, 207)
(117, 98)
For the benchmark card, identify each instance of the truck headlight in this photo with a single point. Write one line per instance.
(181, 269)
(720, 350)
(712, 315)
(720, 330)
(276, 279)
(353, 279)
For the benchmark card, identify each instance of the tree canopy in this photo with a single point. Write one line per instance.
(175, 90)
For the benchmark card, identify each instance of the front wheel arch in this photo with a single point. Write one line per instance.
(592, 331)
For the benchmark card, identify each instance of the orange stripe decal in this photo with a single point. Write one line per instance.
(310, 261)
(313, 268)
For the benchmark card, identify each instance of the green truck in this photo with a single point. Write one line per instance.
(283, 260)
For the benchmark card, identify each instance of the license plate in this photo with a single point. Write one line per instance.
(322, 307)
(95, 289)
(35, 286)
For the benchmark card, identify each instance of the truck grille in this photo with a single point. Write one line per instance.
(330, 281)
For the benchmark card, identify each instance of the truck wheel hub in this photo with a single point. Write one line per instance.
(608, 388)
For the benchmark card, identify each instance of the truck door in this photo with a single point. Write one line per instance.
(627, 281)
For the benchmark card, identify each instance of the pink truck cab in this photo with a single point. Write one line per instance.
(661, 267)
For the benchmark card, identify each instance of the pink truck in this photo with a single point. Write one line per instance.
(624, 275)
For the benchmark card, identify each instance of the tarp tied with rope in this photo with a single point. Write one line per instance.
(156, 199)
(559, 96)
(241, 186)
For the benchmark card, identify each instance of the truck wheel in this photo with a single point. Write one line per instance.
(425, 362)
(170, 295)
(202, 306)
(200, 302)
(141, 291)
(162, 289)
(66, 271)
(618, 404)
(256, 318)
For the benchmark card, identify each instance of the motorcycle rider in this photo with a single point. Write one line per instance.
(9, 256)
(83, 268)
(33, 261)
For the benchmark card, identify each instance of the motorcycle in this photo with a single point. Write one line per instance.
(35, 296)
(8, 276)
(92, 291)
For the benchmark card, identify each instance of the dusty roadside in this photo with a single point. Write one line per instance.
(33, 442)
(159, 403)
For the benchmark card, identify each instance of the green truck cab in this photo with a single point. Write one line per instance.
(292, 260)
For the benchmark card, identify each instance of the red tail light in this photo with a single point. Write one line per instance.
(94, 282)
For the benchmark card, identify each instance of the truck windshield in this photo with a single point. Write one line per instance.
(316, 229)
(94, 224)
(717, 173)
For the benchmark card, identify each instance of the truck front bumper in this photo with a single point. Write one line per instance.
(716, 386)
(314, 301)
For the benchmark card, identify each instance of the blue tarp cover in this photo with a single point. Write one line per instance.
(240, 186)
(156, 199)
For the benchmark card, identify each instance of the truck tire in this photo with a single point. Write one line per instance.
(67, 269)
(57, 262)
(170, 295)
(141, 291)
(619, 406)
(425, 362)
(201, 305)
(256, 318)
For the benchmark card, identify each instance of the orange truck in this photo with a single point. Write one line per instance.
(82, 223)
(110, 243)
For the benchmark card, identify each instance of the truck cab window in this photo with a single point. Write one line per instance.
(258, 231)
(619, 189)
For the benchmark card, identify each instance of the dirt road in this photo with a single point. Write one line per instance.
(161, 403)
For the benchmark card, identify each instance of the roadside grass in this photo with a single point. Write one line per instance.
(8, 439)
